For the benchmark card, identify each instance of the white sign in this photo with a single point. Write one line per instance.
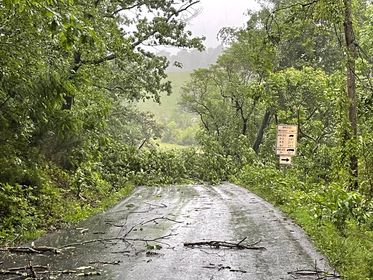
(286, 140)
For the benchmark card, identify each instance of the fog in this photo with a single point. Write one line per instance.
(216, 14)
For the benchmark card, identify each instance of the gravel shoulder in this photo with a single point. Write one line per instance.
(143, 238)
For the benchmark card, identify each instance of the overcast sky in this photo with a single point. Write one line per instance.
(215, 14)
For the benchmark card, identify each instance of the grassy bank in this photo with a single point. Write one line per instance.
(341, 229)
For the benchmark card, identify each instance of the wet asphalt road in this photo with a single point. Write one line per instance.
(143, 238)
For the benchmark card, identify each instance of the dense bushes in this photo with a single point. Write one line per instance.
(32, 195)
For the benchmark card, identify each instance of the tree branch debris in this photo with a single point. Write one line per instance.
(105, 262)
(220, 267)
(125, 237)
(226, 244)
(33, 271)
(31, 250)
(320, 274)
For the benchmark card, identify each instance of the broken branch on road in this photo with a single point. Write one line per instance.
(31, 271)
(225, 244)
(320, 274)
(105, 262)
(222, 267)
(125, 237)
(31, 250)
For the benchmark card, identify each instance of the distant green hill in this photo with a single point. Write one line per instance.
(169, 104)
(180, 126)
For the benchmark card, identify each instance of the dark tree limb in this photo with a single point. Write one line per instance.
(259, 138)
(141, 40)
(320, 274)
(351, 88)
(225, 244)
(31, 250)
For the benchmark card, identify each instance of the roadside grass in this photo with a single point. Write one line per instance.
(349, 250)
(76, 212)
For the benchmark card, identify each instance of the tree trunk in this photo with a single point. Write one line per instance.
(263, 126)
(351, 88)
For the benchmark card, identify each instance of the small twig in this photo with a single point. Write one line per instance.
(238, 270)
(221, 267)
(241, 241)
(32, 271)
(160, 218)
(162, 205)
(90, 241)
(104, 262)
(152, 239)
(89, 273)
(115, 225)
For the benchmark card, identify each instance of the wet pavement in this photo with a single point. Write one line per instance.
(143, 238)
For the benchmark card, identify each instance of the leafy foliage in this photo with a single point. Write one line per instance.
(69, 72)
(288, 66)
(71, 137)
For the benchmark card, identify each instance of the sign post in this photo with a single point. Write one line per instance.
(286, 146)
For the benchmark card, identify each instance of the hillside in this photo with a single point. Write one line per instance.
(169, 103)
(179, 125)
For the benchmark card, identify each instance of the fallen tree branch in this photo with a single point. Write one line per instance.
(117, 239)
(31, 250)
(105, 262)
(222, 267)
(34, 271)
(320, 274)
(151, 239)
(90, 241)
(225, 244)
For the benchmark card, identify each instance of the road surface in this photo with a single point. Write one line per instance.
(143, 238)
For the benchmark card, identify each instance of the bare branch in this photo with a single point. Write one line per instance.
(123, 8)
(226, 244)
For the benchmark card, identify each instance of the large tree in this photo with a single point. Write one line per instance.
(66, 65)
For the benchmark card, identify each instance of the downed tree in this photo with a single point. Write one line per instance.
(226, 244)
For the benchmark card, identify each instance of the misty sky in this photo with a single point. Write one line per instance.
(215, 14)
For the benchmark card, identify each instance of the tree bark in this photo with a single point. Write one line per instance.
(351, 88)
(263, 126)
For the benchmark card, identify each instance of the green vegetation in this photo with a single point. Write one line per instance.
(72, 140)
(168, 106)
(178, 125)
(339, 221)
(288, 66)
